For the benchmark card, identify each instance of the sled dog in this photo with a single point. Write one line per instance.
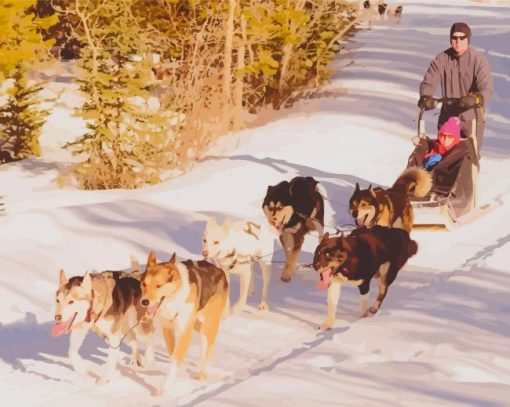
(364, 254)
(106, 303)
(294, 209)
(386, 207)
(234, 246)
(182, 296)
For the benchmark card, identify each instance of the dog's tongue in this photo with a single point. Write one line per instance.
(325, 280)
(151, 310)
(360, 222)
(61, 327)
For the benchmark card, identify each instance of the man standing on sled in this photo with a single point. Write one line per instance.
(463, 73)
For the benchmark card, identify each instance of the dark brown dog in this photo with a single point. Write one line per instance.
(356, 259)
(294, 209)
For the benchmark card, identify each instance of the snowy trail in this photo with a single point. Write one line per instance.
(441, 336)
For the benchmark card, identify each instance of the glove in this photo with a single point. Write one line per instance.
(473, 99)
(427, 102)
(431, 161)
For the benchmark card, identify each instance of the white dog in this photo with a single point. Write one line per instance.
(234, 246)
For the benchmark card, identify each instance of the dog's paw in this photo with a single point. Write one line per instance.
(200, 376)
(263, 306)
(136, 363)
(373, 309)
(236, 309)
(101, 381)
(326, 326)
(285, 278)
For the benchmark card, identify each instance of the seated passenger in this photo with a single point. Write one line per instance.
(448, 137)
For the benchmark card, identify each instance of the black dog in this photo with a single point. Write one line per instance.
(294, 209)
(366, 253)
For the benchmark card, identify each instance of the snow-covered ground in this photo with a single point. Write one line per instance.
(441, 337)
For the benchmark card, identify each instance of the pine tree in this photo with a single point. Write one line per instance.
(21, 119)
(127, 145)
(289, 44)
(21, 47)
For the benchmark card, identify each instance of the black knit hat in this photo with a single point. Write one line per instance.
(461, 28)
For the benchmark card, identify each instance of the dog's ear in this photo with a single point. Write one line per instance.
(370, 187)
(135, 265)
(343, 243)
(266, 211)
(151, 260)
(172, 260)
(227, 222)
(325, 236)
(340, 242)
(63, 278)
(86, 284)
(357, 189)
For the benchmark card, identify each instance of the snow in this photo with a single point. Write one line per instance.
(441, 337)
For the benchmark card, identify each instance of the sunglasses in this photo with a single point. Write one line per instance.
(458, 37)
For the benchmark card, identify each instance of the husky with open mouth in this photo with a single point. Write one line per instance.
(354, 260)
(390, 207)
(294, 209)
(106, 303)
(182, 297)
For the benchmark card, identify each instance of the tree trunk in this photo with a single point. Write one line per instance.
(227, 62)
(239, 84)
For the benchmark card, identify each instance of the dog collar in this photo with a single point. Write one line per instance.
(90, 313)
(88, 317)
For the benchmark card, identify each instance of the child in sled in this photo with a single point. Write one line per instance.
(448, 137)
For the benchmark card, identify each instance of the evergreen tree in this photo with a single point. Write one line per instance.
(21, 47)
(127, 144)
(21, 119)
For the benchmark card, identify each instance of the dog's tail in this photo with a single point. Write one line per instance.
(412, 248)
(415, 180)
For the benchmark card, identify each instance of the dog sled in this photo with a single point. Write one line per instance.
(452, 198)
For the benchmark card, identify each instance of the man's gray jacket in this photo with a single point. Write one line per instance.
(459, 76)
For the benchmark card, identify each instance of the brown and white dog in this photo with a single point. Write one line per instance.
(294, 209)
(390, 207)
(182, 297)
(106, 303)
(356, 259)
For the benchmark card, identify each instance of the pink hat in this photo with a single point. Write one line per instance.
(452, 127)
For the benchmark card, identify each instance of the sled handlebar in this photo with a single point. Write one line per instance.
(421, 123)
(447, 101)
